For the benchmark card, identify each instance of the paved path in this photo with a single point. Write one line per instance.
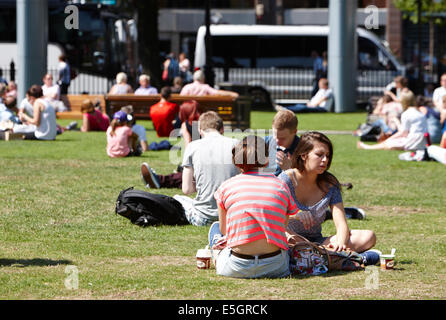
(327, 132)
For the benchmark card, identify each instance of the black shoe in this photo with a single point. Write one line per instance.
(347, 185)
(354, 213)
(72, 126)
(426, 155)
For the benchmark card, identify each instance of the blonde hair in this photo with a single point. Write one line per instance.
(210, 120)
(285, 119)
(408, 100)
(121, 77)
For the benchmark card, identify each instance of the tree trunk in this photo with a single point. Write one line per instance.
(148, 41)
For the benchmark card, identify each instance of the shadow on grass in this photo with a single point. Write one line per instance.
(21, 263)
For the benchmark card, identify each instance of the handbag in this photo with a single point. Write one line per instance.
(309, 258)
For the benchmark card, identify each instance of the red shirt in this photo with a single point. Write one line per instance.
(162, 114)
(98, 121)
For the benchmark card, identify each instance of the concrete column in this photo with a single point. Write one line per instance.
(342, 54)
(32, 43)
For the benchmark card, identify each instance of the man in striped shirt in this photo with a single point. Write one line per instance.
(254, 208)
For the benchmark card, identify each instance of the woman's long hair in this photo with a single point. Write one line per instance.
(306, 144)
(189, 111)
(114, 124)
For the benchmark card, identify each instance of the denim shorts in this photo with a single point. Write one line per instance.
(231, 266)
(192, 215)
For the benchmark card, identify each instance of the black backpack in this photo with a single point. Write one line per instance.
(148, 209)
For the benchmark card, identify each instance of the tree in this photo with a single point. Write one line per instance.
(145, 13)
(420, 12)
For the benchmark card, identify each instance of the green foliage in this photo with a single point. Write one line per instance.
(429, 9)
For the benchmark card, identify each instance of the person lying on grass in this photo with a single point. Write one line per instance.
(253, 209)
(411, 134)
(314, 189)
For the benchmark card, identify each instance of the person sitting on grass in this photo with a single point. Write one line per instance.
(163, 114)
(136, 128)
(411, 134)
(121, 140)
(314, 189)
(92, 118)
(42, 124)
(318, 102)
(283, 142)
(51, 92)
(206, 165)
(253, 209)
(389, 113)
(188, 114)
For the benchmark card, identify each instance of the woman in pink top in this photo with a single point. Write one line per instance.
(121, 141)
(92, 118)
(253, 209)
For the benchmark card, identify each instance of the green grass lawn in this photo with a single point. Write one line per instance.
(57, 210)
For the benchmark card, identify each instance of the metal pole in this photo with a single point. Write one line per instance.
(208, 71)
(420, 87)
(342, 53)
(32, 42)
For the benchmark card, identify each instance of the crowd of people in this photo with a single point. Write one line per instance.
(409, 123)
(255, 193)
(25, 117)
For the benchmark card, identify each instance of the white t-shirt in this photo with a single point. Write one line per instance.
(47, 130)
(50, 91)
(437, 96)
(319, 95)
(413, 121)
(27, 107)
(211, 160)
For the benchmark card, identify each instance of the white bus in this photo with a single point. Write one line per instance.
(278, 59)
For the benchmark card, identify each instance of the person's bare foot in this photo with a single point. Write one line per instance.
(359, 145)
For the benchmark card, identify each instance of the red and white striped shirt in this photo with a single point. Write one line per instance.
(256, 205)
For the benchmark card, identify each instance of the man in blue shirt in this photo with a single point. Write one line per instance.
(284, 141)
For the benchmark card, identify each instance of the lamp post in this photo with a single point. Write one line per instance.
(208, 70)
(420, 81)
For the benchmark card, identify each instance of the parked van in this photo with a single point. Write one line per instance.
(278, 59)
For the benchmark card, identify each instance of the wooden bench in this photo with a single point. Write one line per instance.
(234, 112)
(75, 103)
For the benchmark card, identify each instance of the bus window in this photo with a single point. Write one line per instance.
(233, 52)
(7, 25)
(288, 51)
(371, 57)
